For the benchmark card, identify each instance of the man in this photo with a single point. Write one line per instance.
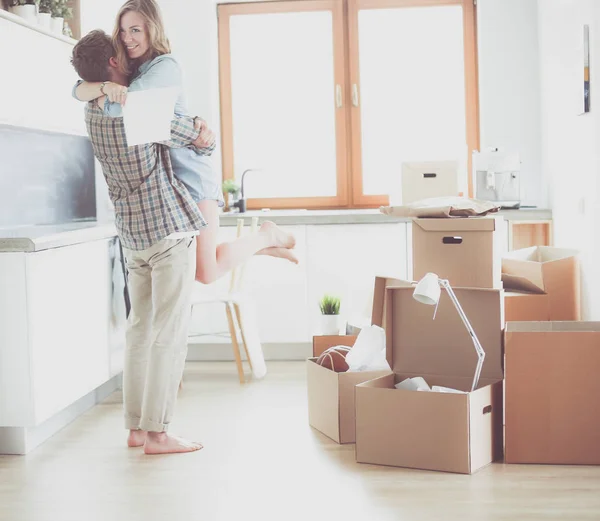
(157, 221)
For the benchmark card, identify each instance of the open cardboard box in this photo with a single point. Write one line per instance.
(331, 394)
(552, 390)
(428, 430)
(546, 270)
(466, 251)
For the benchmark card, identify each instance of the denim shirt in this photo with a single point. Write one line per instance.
(164, 71)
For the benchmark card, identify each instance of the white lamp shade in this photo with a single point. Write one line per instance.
(428, 290)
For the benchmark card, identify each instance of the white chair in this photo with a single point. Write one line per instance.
(241, 317)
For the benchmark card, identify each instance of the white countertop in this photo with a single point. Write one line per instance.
(44, 237)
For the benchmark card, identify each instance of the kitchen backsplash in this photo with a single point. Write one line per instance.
(45, 177)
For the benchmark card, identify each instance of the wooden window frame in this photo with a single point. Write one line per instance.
(349, 174)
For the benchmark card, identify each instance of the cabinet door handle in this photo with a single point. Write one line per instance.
(338, 96)
(355, 95)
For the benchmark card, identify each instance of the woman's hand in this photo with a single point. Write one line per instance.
(116, 93)
(206, 138)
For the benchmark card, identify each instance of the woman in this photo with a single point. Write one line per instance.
(144, 54)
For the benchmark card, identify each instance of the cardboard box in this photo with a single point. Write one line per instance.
(552, 390)
(550, 271)
(466, 251)
(526, 307)
(331, 394)
(429, 430)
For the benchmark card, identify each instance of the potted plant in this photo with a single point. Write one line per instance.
(44, 13)
(330, 315)
(26, 9)
(230, 190)
(60, 11)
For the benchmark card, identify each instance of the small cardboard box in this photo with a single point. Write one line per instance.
(546, 270)
(429, 430)
(552, 390)
(526, 307)
(466, 251)
(331, 394)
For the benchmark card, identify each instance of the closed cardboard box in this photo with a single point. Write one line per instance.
(466, 251)
(552, 390)
(546, 270)
(429, 430)
(331, 394)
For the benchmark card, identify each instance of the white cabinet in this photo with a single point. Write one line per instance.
(344, 260)
(278, 288)
(340, 259)
(58, 337)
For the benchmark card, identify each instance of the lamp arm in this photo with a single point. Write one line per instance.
(478, 348)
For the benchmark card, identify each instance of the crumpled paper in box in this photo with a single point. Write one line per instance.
(368, 352)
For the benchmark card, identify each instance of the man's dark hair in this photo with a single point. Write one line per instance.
(91, 55)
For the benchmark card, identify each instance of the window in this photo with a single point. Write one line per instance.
(324, 99)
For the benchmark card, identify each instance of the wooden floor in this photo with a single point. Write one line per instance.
(262, 461)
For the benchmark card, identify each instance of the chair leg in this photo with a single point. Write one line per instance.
(234, 342)
(240, 325)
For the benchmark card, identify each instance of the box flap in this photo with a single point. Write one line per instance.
(381, 283)
(458, 224)
(421, 345)
(540, 254)
(534, 283)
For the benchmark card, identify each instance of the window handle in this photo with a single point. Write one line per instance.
(354, 95)
(338, 96)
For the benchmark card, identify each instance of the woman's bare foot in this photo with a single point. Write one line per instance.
(163, 443)
(136, 438)
(282, 253)
(280, 239)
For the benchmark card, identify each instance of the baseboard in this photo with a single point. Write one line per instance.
(223, 352)
(22, 440)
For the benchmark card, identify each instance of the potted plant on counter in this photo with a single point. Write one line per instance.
(230, 190)
(60, 11)
(44, 13)
(330, 315)
(26, 9)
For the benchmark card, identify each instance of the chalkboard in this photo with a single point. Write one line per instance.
(45, 177)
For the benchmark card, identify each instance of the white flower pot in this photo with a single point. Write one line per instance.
(57, 24)
(330, 324)
(27, 12)
(44, 20)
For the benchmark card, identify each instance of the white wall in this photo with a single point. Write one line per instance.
(509, 87)
(570, 141)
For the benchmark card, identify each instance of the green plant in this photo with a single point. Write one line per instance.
(230, 187)
(330, 305)
(45, 6)
(60, 8)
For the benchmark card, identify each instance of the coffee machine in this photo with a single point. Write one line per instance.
(497, 177)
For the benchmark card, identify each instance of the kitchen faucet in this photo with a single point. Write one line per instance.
(240, 204)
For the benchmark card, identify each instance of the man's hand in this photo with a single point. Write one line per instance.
(206, 138)
(116, 93)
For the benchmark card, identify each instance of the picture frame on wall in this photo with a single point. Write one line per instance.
(586, 68)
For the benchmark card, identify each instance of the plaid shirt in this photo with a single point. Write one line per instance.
(150, 203)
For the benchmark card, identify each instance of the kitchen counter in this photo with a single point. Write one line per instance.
(291, 217)
(44, 237)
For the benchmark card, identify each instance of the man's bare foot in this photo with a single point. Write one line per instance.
(163, 443)
(282, 253)
(136, 438)
(280, 239)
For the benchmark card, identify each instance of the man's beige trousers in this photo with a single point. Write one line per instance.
(160, 285)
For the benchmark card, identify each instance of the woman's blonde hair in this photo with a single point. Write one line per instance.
(157, 38)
